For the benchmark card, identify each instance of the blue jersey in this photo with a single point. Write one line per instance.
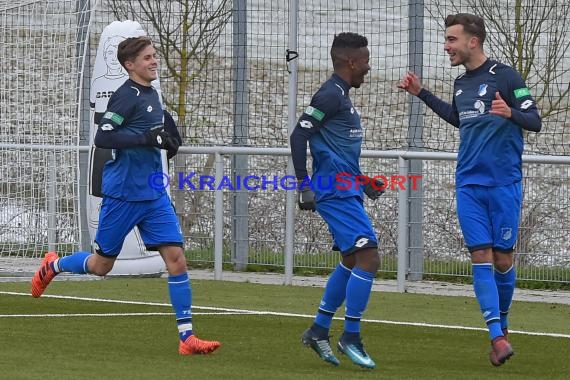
(335, 139)
(132, 110)
(491, 146)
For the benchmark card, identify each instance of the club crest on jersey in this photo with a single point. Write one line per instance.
(506, 233)
(482, 89)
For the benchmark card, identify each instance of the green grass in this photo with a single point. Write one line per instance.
(262, 346)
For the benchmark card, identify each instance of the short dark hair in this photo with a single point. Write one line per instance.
(129, 48)
(343, 42)
(349, 40)
(472, 24)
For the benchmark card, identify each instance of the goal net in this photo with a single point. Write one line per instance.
(42, 52)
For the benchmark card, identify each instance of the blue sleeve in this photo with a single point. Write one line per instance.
(298, 142)
(514, 91)
(111, 133)
(324, 105)
(446, 111)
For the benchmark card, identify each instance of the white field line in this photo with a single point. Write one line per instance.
(105, 315)
(228, 311)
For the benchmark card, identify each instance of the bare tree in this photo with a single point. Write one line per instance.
(186, 33)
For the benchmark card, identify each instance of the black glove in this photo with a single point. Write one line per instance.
(173, 149)
(172, 129)
(374, 188)
(159, 138)
(305, 197)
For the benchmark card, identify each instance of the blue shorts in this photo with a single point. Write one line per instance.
(156, 221)
(348, 224)
(489, 216)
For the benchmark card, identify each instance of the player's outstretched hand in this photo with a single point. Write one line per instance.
(306, 197)
(411, 83)
(374, 188)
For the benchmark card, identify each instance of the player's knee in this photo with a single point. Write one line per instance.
(374, 262)
(368, 259)
(174, 259)
(503, 263)
(349, 261)
(503, 259)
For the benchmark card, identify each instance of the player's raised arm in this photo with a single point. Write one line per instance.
(411, 83)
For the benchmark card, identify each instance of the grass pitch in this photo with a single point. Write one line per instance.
(124, 329)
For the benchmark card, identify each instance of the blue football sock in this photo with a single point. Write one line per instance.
(488, 297)
(181, 300)
(357, 295)
(75, 263)
(505, 286)
(333, 297)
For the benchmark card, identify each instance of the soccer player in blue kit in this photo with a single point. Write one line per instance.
(135, 127)
(331, 126)
(491, 107)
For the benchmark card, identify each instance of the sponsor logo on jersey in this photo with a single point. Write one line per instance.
(114, 117)
(306, 124)
(482, 89)
(356, 133)
(479, 106)
(521, 92)
(459, 92)
(149, 109)
(316, 113)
